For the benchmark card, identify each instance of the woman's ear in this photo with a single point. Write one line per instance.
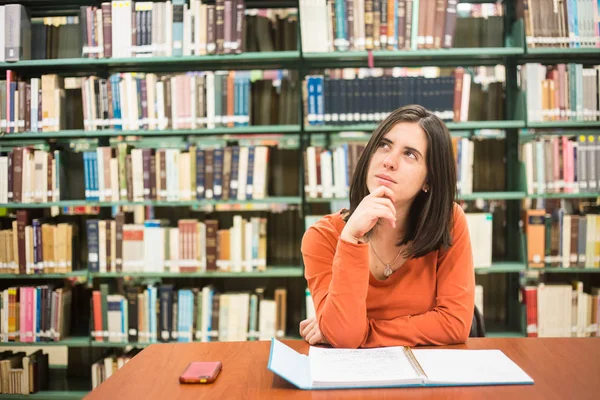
(425, 188)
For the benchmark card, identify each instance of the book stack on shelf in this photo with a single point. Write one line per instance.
(160, 162)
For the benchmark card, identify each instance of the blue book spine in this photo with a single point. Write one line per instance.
(218, 174)
(178, 7)
(38, 313)
(312, 105)
(93, 245)
(116, 100)
(95, 176)
(86, 170)
(37, 248)
(320, 103)
(340, 26)
(199, 174)
(238, 88)
(235, 164)
(154, 292)
(246, 103)
(250, 176)
(573, 23)
(11, 124)
(124, 321)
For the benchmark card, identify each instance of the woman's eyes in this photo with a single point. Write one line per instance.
(408, 153)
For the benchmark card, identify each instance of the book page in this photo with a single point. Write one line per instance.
(360, 367)
(469, 366)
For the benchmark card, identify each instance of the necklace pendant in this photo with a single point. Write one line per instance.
(387, 271)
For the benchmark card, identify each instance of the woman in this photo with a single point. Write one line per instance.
(396, 268)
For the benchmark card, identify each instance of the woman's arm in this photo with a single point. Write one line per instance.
(337, 273)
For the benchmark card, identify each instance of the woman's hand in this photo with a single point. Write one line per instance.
(379, 204)
(309, 330)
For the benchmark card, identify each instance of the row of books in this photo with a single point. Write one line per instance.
(31, 176)
(192, 246)
(134, 174)
(562, 92)
(31, 314)
(328, 171)
(397, 25)
(22, 373)
(237, 172)
(562, 310)
(107, 365)
(352, 96)
(557, 238)
(571, 23)
(562, 164)
(132, 101)
(38, 245)
(122, 29)
(165, 313)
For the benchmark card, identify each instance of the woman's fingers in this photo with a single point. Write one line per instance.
(387, 203)
(304, 324)
(308, 328)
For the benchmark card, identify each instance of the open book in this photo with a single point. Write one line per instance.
(327, 368)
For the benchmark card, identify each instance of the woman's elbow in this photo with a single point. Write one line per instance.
(459, 332)
(343, 338)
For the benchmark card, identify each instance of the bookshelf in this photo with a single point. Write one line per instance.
(510, 268)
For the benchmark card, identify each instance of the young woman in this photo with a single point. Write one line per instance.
(396, 268)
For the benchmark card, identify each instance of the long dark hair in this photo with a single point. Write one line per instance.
(431, 214)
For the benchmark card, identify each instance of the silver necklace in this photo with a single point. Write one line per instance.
(387, 271)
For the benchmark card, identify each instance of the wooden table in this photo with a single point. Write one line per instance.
(566, 368)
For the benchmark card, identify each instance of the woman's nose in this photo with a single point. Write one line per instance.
(389, 163)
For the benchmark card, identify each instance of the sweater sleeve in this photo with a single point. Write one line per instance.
(337, 273)
(449, 322)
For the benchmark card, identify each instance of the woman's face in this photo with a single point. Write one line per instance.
(399, 162)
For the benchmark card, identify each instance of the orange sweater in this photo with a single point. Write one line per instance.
(428, 301)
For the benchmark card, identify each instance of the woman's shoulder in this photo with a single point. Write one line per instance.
(329, 227)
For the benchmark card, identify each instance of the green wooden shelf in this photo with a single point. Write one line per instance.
(94, 343)
(492, 196)
(446, 57)
(271, 272)
(502, 267)
(563, 195)
(74, 274)
(563, 124)
(272, 60)
(505, 334)
(465, 197)
(473, 125)
(199, 203)
(470, 125)
(558, 54)
(558, 270)
(81, 341)
(50, 395)
(74, 134)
